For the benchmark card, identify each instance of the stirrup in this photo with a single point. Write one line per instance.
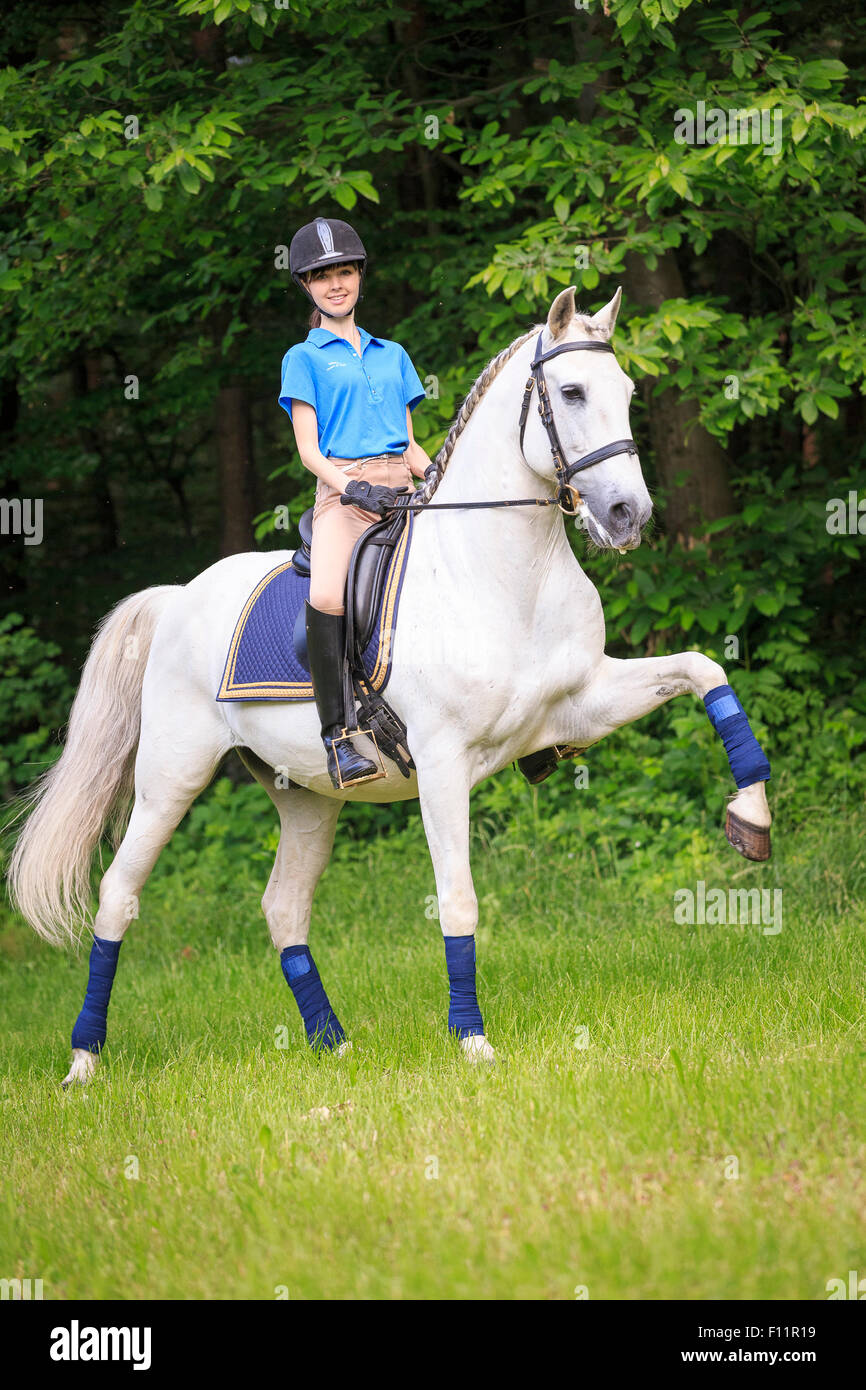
(341, 737)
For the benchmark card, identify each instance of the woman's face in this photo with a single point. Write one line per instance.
(335, 288)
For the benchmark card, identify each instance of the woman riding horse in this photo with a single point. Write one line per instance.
(350, 398)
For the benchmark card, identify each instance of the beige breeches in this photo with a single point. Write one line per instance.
(336, 528)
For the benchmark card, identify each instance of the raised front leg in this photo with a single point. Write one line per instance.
(443, 790)
(625, 690)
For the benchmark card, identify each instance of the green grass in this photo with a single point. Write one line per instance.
(601, 1165)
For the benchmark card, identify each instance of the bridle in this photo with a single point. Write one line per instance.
(565, 492)
(565, 472)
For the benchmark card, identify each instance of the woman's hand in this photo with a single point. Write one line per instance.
(370, 497)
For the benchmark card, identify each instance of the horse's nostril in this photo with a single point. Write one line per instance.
(620, 515)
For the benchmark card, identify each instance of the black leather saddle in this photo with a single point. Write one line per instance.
(368, 568)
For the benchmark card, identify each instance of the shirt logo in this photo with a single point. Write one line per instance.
(331, 365)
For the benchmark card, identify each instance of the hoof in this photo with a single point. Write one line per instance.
(82, 1069)
(476, 1048)
(751, 841)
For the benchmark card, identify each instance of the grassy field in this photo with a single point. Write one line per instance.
(677, 1111)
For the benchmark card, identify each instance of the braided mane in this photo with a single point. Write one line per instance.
(479, 388)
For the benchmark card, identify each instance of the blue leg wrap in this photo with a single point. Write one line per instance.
(464, 1015)
(322, 1025)
(747, 758)
(91, 1024)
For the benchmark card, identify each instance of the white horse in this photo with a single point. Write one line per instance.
(499, 652)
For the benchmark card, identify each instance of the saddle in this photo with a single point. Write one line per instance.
(368, 568)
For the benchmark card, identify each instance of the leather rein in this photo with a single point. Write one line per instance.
(565, 492)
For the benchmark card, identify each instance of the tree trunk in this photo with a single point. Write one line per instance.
(208, 45)
(13, 573)
(87, 377)
(237, 479)
(691, 465)
(587, 29)
(236, 470)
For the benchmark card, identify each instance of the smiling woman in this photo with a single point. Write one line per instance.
(350, 398)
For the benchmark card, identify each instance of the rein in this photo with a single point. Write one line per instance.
(565, 492)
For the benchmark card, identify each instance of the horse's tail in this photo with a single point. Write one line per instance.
(91, 784)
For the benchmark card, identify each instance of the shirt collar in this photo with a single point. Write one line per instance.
(320, 336)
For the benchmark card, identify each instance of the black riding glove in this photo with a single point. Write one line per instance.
(370, 497)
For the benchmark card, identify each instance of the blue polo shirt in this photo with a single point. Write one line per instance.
(360, 401)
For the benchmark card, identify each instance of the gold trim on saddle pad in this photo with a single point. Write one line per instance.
(231, 689)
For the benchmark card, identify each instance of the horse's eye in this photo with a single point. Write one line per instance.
(573, 393)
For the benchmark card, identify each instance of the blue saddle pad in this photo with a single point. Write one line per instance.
(262, 663)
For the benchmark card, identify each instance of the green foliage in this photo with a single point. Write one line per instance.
(35, 694)
(229, 837)
(622, 184)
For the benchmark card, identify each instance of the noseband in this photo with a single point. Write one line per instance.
(566, 493)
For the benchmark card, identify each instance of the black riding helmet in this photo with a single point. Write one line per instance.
(327, 241)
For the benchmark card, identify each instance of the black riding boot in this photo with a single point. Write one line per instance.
(326, 643)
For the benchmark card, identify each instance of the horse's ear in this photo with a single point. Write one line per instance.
(603, 322)
(561, 312)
